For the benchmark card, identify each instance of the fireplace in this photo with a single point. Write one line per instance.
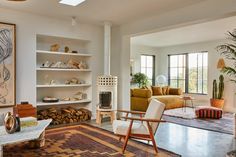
(105, 100)
(107, 92)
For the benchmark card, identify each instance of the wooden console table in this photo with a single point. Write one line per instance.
(26, 134)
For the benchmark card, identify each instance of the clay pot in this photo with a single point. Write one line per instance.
(218, 103)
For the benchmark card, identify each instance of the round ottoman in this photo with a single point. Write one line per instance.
(208, 112)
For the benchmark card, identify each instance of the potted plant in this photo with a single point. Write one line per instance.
(217, 95)
(141, 79)
(228, 50)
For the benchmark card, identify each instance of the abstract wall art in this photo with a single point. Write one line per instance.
(7, 64)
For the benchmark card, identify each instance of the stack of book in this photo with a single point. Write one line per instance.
(28, 122)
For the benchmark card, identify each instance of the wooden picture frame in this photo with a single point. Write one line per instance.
(7, 65)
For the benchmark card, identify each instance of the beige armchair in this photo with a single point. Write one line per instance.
(145, 129)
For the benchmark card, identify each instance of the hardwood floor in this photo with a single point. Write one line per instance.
(187, 141)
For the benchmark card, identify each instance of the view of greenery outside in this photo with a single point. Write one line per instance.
(147, 67)
(177, 71)
(195, 64)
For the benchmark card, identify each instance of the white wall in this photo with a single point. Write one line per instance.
(213, 72)
(27, 26)
(135, 54)
(201, 12)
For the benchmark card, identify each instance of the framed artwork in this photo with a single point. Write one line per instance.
(7, 65)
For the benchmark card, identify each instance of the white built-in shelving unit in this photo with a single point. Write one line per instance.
(59, 89)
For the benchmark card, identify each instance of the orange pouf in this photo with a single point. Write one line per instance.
(208, 112)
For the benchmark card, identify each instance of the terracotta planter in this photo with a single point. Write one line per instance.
(219, 103)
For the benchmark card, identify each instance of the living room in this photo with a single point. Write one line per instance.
(93, 41)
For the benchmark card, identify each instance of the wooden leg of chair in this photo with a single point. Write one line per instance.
(127, 136)
(125, 143)
(154, 143)
(152, 137)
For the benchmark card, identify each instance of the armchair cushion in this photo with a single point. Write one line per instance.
(121, 127)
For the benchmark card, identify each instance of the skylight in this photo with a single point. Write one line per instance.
(71, 2)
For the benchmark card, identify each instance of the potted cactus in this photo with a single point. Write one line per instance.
(217, 93)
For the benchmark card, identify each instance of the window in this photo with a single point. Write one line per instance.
(177, 71)
(148, 67)
(189, 72)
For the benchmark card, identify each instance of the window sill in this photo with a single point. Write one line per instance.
(195, 93)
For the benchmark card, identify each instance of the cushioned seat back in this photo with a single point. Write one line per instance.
(154, 111)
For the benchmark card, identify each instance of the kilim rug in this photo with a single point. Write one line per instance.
(222, 125)
(85, 141)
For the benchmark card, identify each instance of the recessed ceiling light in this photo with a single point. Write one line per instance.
(71, 2)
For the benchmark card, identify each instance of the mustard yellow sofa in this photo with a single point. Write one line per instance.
(171, 97)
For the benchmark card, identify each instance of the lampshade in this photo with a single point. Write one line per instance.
(221, 63)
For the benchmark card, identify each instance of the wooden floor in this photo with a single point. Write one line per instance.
(188, 141)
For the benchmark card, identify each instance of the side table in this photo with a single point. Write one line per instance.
(187, 98)
(26, 134)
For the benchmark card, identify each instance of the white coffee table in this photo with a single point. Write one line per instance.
(26, 134)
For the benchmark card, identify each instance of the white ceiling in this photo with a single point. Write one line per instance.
(214, 30)
(97, 11)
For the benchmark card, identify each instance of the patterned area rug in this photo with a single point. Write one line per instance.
(85, 141)
(223, 125)
(187, 113)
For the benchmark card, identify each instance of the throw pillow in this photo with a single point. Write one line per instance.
(157, 90)
(165, 90)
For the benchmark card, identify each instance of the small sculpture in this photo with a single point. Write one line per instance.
(82, 65)
(55, 47)
(59, 65)
(74, 51)
(74, 81)
(47, 64)
(52, 82)
(67, 49)
(78, 96)
(10, 123)
(72, 64)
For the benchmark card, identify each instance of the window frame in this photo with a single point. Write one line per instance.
(153, 66)
(187, 72)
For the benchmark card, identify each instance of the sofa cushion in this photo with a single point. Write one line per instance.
(143, 93)
(157, 90)
(171, 101)
(175, 91)
(165, 90)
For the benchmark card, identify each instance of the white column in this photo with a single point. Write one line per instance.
(107, 47)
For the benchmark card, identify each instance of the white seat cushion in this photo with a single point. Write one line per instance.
(121, 127)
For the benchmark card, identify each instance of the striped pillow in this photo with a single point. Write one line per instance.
(208, 112)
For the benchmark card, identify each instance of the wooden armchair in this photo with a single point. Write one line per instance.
(145, 129)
